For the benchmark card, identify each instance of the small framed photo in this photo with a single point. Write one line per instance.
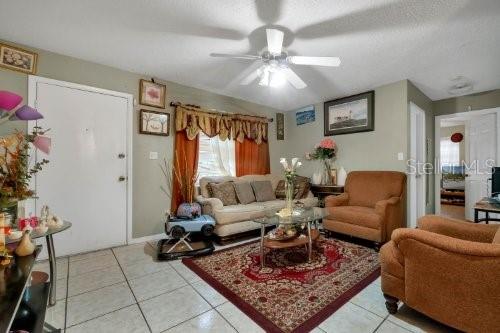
(305, 115)
(351, 114)
(18, 59)
(152, 94)
(154, 122)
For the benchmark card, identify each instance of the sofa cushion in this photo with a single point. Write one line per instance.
(224, 192)
(496, 239)
(263, 190)
(244, 192)
(363, 216)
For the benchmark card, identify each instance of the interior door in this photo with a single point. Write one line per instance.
(483, 142)
(81, 183)
(417, 177)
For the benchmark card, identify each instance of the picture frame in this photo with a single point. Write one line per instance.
(154, 122)
(152, 94)
(305, 115)
(280, 126)
(352, 114)
(17, 59)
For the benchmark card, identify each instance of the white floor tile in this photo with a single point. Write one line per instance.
(170, 309)
(351, 318)
(388, 327)
(208, 322)
(155, 284)
(61, 267)
(55, 314)
(183, 270)
(92, 264)
(61, 288)
(130, 254)
(127, 320)
(86, 282)
(89, 255)
(98, 302)
(144, 267)
(208, 293)
(238, 319)
(372, 299)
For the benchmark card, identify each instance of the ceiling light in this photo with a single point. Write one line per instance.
(277, 79)
(264, 77)
(461, 85)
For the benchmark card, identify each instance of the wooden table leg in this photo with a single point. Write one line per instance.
(262, 255)
(487, 217)
(476, 216)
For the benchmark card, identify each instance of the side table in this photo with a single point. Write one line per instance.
(487, 207)
(322, 191)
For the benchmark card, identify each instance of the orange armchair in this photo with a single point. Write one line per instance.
(371, 207)
(447, 269)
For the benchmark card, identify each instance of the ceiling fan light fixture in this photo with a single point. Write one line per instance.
(264, 78)
(277, 79)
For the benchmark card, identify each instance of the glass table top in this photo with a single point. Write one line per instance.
(299, 216)
(50, 231)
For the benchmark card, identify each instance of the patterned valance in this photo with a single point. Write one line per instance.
(232, 126)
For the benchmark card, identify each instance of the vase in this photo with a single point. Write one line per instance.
(341, 176)
(189, 210)
(25, 246)
(327, 173)
(289, 193)
(10, 213)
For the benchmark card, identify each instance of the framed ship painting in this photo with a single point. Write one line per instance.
(351, 114)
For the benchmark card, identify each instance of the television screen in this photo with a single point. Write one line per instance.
(495, 180)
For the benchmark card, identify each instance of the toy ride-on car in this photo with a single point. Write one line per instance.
(178, 227)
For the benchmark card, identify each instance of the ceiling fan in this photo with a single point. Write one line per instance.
(275, 70)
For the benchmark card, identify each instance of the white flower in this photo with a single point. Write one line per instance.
(299, 164)
(294, 161)
(284, 163)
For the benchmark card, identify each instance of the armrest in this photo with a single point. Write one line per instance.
(446, 243)
(458, 229)
(336, 200)
(392, 211)
(213, 202)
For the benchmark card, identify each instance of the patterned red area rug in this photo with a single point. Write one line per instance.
(289, 295)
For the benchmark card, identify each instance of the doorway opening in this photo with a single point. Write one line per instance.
(417, 177)
(467, 148)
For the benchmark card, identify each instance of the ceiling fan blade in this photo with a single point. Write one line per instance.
(236, 56)
(314, 61)
(251, 77)
(293, 78)
(274, 40)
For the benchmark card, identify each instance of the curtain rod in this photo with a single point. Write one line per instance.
(175, 104)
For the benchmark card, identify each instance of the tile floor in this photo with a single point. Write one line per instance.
(124, 290)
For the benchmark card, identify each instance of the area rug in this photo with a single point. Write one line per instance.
(289, 295)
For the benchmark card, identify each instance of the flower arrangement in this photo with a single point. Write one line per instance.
(290, 174)
(15, 169)
(290, 168)
(325, 151)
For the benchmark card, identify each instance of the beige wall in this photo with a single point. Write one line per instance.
(376, 150)
(418, 98)
(478, 101)
(149, 202)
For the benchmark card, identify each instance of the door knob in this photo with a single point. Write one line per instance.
(121, 155)
(121, 178)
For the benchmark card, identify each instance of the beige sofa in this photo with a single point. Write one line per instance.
(237, 220)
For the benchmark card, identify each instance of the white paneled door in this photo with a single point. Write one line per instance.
(86, 179)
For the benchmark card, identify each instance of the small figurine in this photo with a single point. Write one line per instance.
(52, 221)
(26, 246)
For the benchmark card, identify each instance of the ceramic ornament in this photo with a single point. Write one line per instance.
(26, 246)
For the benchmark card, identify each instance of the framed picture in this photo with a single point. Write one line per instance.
(280, 126)
(351, 114)
(305, 115)
(152, 94)
(154, 122)
(18, 59)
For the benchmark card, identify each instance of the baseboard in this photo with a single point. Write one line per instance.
(147, 238)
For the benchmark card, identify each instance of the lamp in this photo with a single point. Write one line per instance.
(9, 100)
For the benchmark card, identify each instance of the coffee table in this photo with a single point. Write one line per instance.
(302, 218)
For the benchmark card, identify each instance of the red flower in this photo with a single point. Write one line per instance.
(153, 93)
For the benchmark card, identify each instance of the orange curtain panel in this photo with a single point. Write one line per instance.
(186, 159)
(252, 158)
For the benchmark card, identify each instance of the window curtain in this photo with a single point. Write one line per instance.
(450, 152)
(186, 158)
(252, 158)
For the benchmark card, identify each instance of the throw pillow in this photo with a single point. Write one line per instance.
(244, 192)
(224, 192)
(302, 186)
(496, 239)
(263, 190)
(280, 190)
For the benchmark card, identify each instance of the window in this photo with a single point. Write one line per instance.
(450, 152)
(216, 157)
